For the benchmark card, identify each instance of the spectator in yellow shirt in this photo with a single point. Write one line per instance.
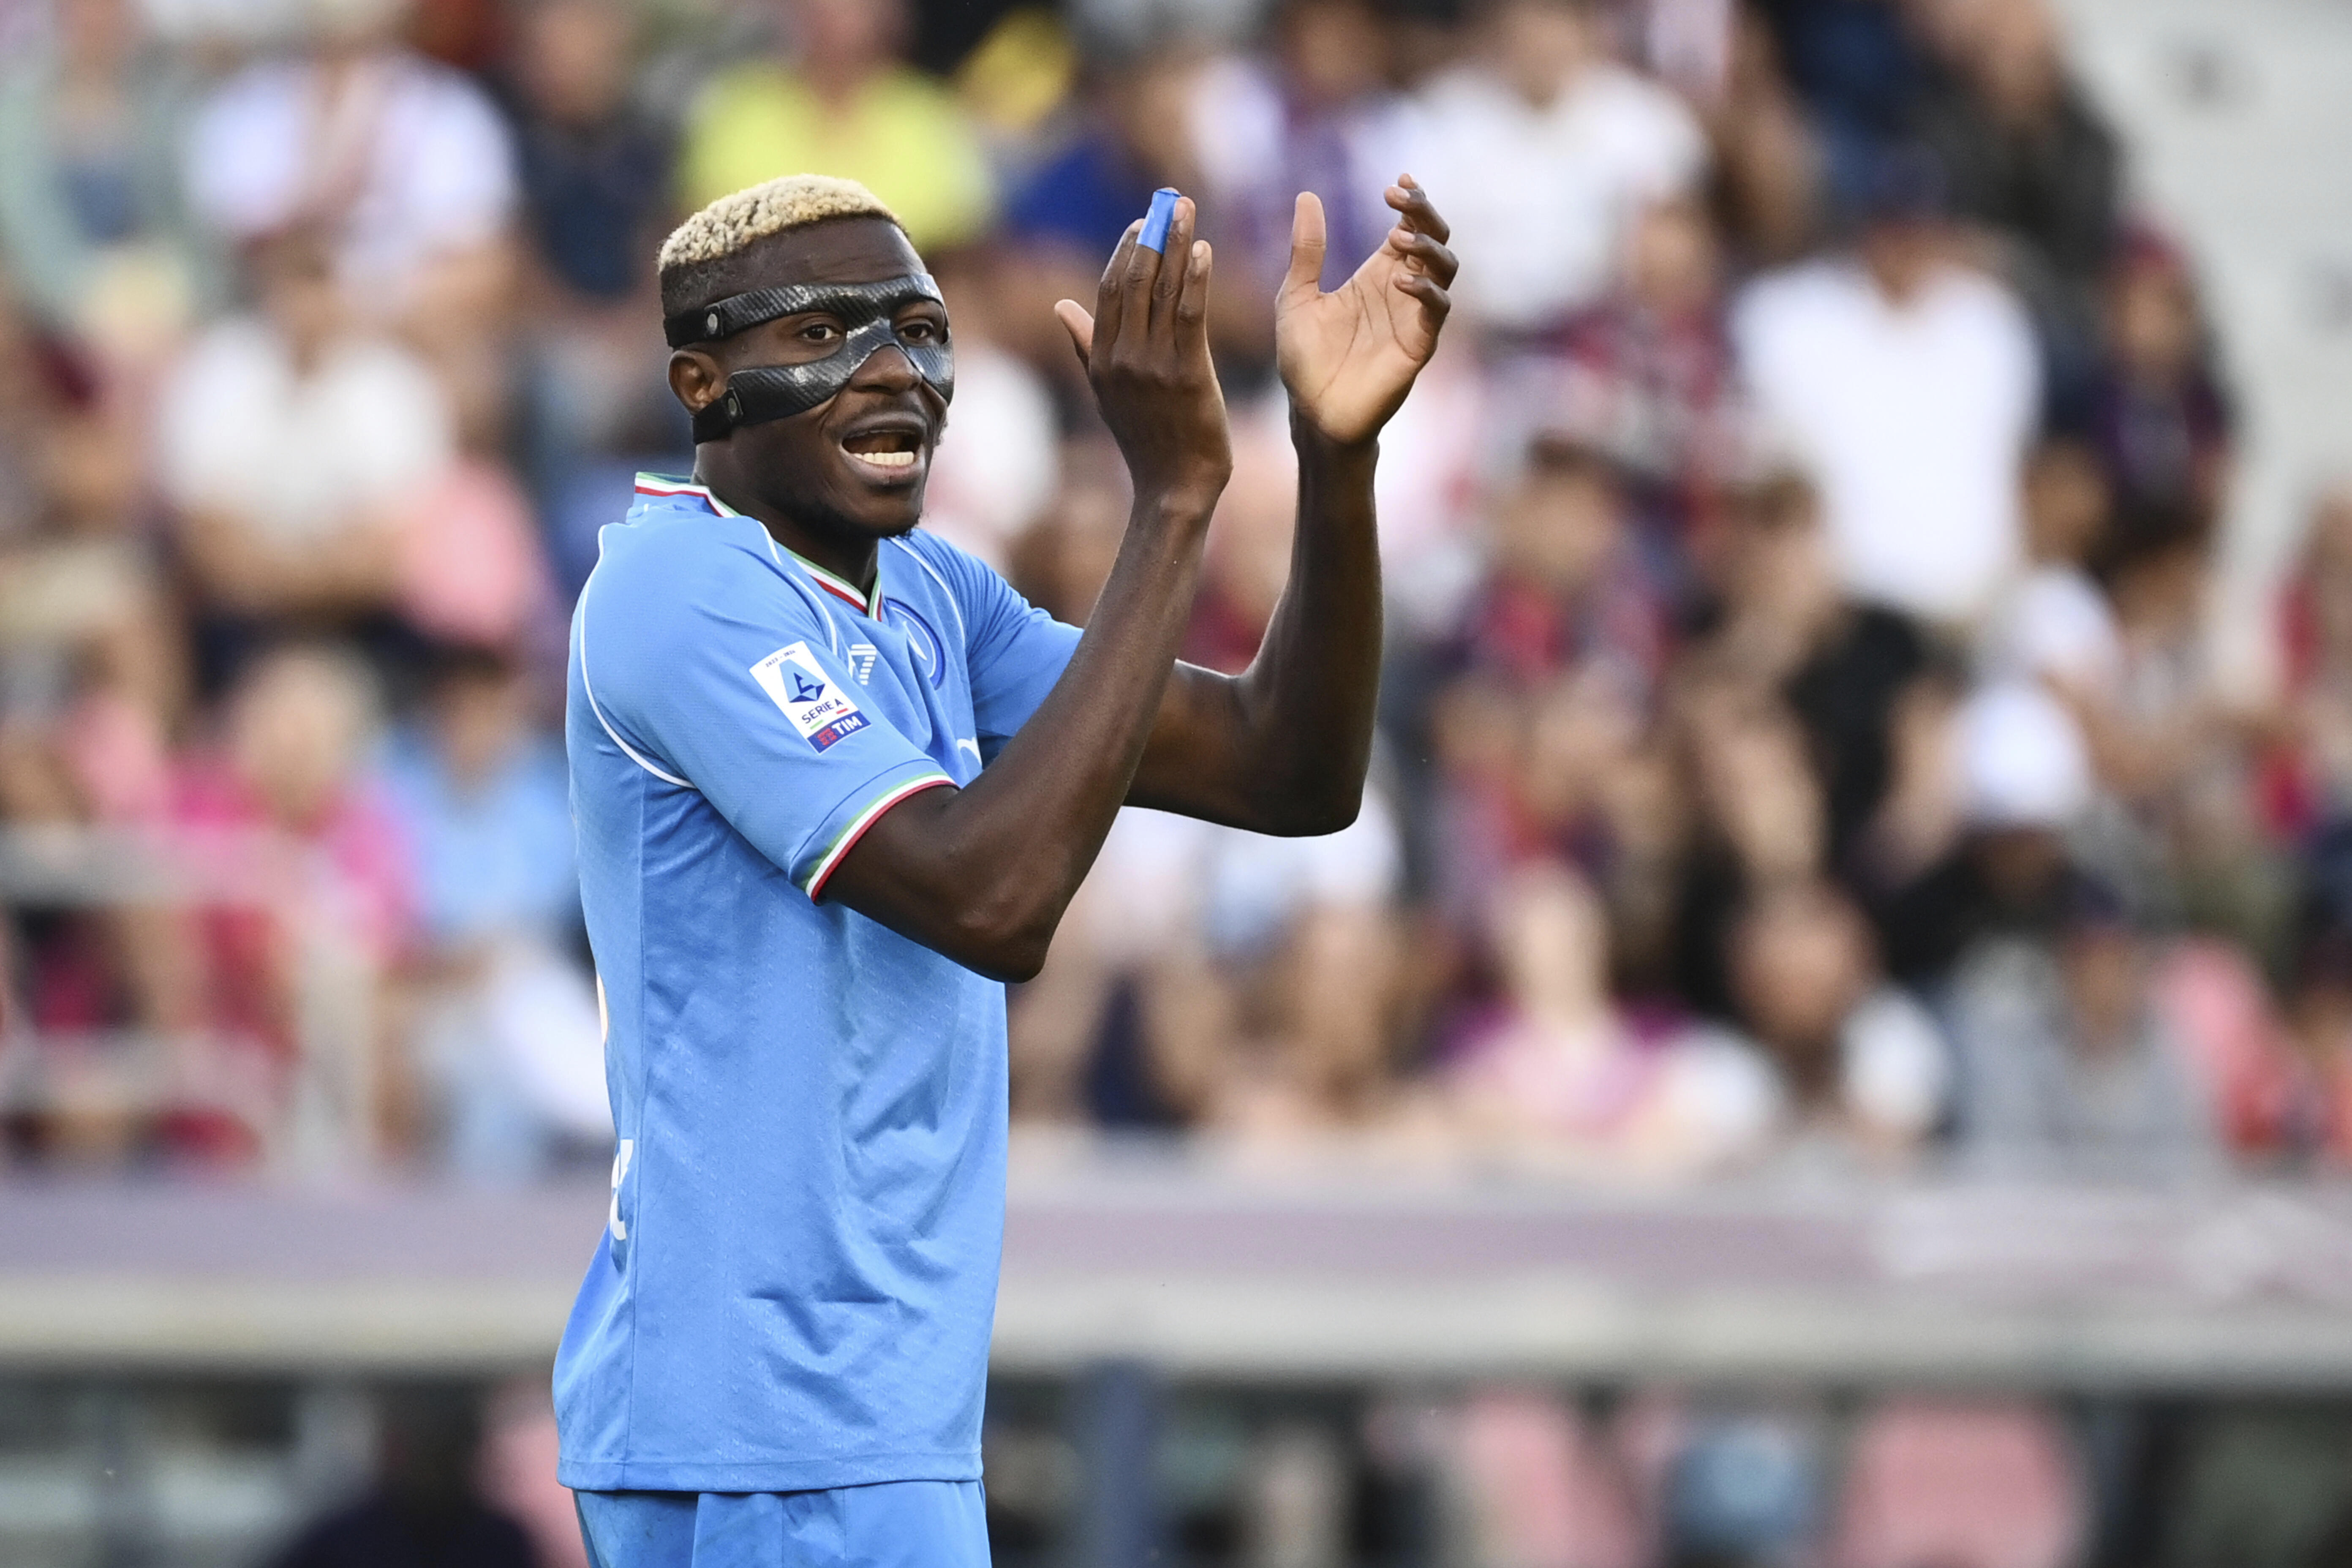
(847, 105)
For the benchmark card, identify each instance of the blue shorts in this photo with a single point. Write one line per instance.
(892, 1525)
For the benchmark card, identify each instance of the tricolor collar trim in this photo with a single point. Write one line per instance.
(839, 587)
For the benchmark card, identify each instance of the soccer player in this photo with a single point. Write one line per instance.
(835, 782)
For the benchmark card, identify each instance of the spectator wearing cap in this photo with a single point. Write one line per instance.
(1546, 150)
(843, 103)
(2068, 1066)
(1908, 385)
(2021, 779)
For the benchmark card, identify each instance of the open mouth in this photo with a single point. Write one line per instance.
(885, 451)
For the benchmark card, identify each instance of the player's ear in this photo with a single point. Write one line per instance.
(695, 379)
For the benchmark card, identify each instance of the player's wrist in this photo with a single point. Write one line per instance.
(1180, 507)
(1338, 454)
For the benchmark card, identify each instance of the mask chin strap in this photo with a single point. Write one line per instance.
(763, 393)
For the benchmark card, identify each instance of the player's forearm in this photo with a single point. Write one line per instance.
(984, 874)
(1282, 749)
(1312, 692)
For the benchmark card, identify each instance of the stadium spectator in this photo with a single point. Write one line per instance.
(1129, 133)
(1767, 150)
(2159, 414)
(2310, 783)
(2021, 776)
(1843, 668)
(1908, 383)
(843, 103)
(2067, 1067)
(592, 164)
(296, 446)
(84, 602)
(280, 804)
(93, 228)
(1314, 113)
(1859, 69)
(1556, 1069)
(1568, 587)
(1648, 373)
(402, 165)
(1759, 822)
(2315, 1124)
(1550, 676)
(1547, 149)
(425, 1505)
(2053, 622)
(2174, 748)
(2029, 159)
(506, 1032)
(1856, 1075)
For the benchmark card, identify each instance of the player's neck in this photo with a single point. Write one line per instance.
(852, 559)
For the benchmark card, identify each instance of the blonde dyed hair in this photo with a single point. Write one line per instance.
(734, 224)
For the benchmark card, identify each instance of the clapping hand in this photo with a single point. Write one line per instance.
(1349, 357)
(1146, 350)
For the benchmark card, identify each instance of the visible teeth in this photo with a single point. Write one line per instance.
(886, 459)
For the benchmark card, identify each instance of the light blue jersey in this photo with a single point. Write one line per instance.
(796, 1282)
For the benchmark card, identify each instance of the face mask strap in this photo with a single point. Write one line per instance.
(740, 312)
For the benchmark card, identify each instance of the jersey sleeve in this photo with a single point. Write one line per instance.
(1014, 650)
(723, 682)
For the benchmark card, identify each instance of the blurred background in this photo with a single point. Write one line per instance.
(1830, 1042)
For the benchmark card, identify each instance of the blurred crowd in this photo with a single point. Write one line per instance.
(1800, 745)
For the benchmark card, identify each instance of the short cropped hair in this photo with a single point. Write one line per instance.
(709, 256)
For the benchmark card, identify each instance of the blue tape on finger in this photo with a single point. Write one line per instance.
(1156, 221)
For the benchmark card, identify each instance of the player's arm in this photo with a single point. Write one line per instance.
(1282, 748)
(982, 874)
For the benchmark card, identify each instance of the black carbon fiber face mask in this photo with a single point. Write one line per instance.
(867, 313)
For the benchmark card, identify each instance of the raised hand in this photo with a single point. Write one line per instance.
(1349, 357)
(1146, 350)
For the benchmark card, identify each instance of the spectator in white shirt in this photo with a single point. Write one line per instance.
(293, 447)
(1830, 1069)
(404, 162)
(1546, 151)
(2054, 623)
(1909, 385)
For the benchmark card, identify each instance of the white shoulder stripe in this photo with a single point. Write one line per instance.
(585, 685)
(955, 605)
